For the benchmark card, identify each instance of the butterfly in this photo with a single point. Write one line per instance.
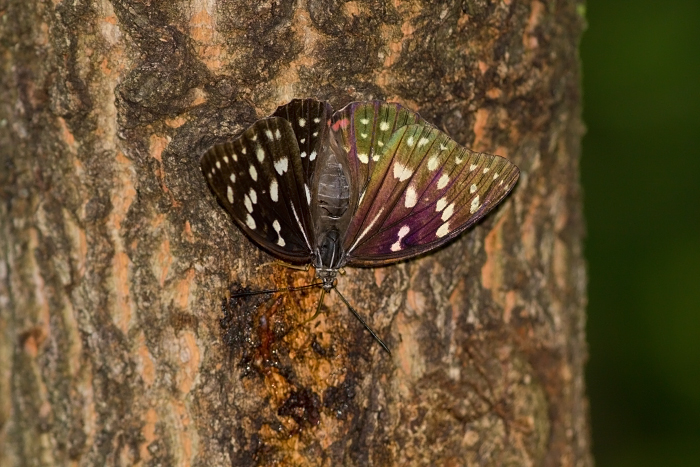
(368, 185)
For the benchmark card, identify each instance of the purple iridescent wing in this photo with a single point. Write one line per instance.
(259, 179)
(424, 190)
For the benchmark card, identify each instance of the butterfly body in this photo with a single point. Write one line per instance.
(331, 214)
(368, 185)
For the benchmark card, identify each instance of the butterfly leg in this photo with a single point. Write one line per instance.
(318, 307)
(277, 262)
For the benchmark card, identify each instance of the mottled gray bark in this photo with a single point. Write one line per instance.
(115, 258)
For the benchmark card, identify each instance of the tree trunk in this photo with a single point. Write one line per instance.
(119, 344)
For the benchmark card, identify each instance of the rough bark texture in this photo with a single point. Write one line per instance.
(118, 345)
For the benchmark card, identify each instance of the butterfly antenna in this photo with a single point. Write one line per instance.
(359, 318)
(283, 289)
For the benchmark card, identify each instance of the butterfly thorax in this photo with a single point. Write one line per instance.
(329, 257)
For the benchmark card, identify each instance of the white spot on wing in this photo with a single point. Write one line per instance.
(423, 141)
(218, 164)
(248, 203)
(441, 203)
(226, 159)
(260, 152)
(472, 189)
(363, 157)
(475, 205)
(282, 165)
(486, 170)
(410, 141)
(472, 167)
(403, 231)
(384, 126)
(278, 135)
(253, 173)
(302, 141)
(268, 133)
(495, 176)
(312, 156)
(250, 222)
(443, 148)
(442, 181)
(303, 154)
(401, 171)
(316, 120)
(253, 196)
(363, 135)
(273, 190)
(308, 193)
(433, 163)
(380, 143)
(302, 122)
(364, 121)
(443, 230)
(276, 225)
(411, 197)
(233, 178)
(447, 213)
(243, 151)
(229, 194)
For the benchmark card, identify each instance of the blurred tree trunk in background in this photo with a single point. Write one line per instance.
(116, 261)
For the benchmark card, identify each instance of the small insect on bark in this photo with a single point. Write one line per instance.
(368, 185)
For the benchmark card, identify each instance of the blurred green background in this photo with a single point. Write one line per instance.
(641, 179)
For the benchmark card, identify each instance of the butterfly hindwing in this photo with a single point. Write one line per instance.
(425, 190)
(259, 179)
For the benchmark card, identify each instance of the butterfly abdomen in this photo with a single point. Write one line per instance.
(333, 192)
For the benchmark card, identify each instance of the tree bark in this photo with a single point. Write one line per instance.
(119, 344)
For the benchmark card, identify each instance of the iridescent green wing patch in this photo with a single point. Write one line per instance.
(363, 129)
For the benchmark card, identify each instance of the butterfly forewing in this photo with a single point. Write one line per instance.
(363, 129)
(425, 190)
(259, 179)
(309, 121)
